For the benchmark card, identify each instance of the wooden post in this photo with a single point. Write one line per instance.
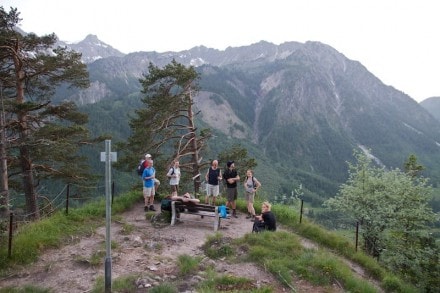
(357, 234)
(11, 220)
(301, 211)
(67, 198)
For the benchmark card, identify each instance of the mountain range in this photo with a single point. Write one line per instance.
(302, 108)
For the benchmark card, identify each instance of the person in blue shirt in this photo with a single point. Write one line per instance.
(148, 189)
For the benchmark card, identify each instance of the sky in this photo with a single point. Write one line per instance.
(396, 40)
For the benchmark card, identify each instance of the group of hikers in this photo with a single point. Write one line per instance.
(213, 178)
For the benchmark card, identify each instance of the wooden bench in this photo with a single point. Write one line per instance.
(198, 209)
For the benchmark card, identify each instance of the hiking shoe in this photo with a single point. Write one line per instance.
(248, 216)
(145, 208)
(152, 208)
(234, 215)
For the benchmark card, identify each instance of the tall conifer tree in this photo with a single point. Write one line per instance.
(40, 138)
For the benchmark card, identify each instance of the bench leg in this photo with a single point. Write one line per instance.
(216, 220)
(173, 213)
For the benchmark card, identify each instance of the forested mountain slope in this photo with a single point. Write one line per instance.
(302, 107)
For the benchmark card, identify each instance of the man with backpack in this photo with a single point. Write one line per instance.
(231, 177)
(143, 164)
(251, 184)
(148, 188)
(140, 169)
(174, 175)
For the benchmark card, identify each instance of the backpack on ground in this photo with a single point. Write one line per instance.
(258, 227)
(165, 204)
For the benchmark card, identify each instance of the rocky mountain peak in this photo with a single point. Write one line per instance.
(93, 49)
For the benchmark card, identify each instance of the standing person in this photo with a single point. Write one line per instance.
(251, 185)
(142, 165)
(266, 221)
(148, 190)
(231, 177)
(156, 181)
(174, 175)
(212, 177)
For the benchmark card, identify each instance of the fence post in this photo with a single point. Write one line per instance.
(11, 220)
(301, 211)
(113, 190)
(67, 198)
(357, 235)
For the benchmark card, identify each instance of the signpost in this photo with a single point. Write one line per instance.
(108, 157)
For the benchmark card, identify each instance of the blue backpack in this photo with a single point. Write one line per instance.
(222, 210)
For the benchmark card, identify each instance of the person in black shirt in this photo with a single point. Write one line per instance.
(212, 177)
(231, 177)
(266, 221)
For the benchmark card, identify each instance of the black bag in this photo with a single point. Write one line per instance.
(258, 227)
(140, 168)
(165, 204)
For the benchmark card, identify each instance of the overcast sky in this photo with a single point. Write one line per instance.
(397, 40)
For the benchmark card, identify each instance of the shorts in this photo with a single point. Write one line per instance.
(148, 191)
(249, 196)
(174, 188)
(231, 194)
(213, 190)
(156, 182)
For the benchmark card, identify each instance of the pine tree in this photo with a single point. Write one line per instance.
(41, 139)
(166, 125)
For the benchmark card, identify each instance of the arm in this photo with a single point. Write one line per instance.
(144, 175)
(257, 184)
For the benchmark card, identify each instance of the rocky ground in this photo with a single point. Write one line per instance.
(141, 248)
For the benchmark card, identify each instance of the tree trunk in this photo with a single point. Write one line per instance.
(194, 148)
(25, 161)
(4, 186)
(28, 184)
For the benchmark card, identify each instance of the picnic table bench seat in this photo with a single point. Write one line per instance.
(198, 209)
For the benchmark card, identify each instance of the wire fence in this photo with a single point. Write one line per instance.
(73, 195)
(70, 195)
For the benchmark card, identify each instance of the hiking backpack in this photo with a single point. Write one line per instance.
(140, 168)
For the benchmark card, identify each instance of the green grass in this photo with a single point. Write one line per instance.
(216, 247)
(124, 284)
(319, 267)
(25, 289)
(280, 253)
(188, 264)
(32, 239)
(229, 283)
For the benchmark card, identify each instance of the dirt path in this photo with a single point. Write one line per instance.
(144, 248)
(148, 251)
